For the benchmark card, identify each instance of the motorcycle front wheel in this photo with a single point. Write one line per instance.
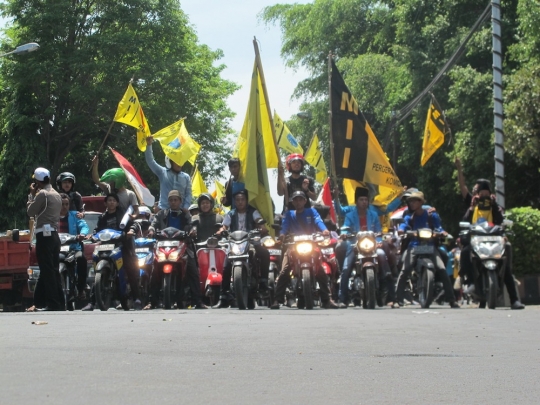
(491, 286)
(425, 295)
(167, 291)
(103, 288)
(307, 289)
(369, 289)
(240, 287)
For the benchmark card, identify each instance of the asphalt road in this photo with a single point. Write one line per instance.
(400, 356)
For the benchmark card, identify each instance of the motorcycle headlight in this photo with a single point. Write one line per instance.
(425, 233)
(325, 242)
(304, 248)
(238, 248)
(488, 247)
(142, 262)
(269, 242)
(105, 236)
(174, 255)
(161, 257)
(366, 244)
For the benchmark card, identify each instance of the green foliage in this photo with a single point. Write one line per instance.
(58, 103)
(524, 237)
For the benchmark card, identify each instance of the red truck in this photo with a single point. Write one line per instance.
(18, 264)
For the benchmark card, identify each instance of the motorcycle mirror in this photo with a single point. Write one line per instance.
(464, 225)
(261, 221)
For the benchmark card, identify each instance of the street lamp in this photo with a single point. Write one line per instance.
(30, 47)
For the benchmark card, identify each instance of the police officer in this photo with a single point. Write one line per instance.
(44, 203)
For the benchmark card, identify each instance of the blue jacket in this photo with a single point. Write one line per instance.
(77, 226)
(169, 180)
(308, 222)
(421, 221)
(352, 219)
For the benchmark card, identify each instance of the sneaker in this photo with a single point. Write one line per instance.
(137, 305)
(88, 307)
(275, 305)
(517, 305)
(200, 305)
(454, 305)
(342, 305)
(330, 304)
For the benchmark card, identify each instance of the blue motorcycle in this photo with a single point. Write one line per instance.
(144, 249)
(111, 279)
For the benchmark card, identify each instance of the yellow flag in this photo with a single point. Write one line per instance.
(130, 112)
(177, 144)
(284, 137)
(217, 194)
(383, 195)
(433, 134)
(197, 184)
(314, 158)
(265, 125)
(254, 138)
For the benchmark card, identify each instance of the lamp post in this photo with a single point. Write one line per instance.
(30, 47)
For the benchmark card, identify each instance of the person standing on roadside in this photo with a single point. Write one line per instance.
(45, 204)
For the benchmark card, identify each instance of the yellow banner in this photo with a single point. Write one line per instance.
(252, 147)
(433, 134)
(130, 112)
(314, 158)
(177, 144)
(284, 137)
(383, 195)
(198, 186)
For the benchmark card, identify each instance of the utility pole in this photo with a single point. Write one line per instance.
(498, 101)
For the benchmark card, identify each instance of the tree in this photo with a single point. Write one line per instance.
(58, 103)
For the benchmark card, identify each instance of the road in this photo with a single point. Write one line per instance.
(400, 356)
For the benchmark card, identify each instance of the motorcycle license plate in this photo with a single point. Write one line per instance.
(100, 248)
(327, 251)
(274, 252)
(64, 248)
(423, 250)
(142, 250)
(169, 243)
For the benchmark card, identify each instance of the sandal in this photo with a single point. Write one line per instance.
(31, 309)
(147, 307)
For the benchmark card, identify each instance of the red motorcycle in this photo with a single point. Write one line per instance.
(211, 258)
(330, 264)
(170, 261)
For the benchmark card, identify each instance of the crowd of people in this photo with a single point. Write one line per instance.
(63, 211)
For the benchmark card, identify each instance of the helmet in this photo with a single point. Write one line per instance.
(205, 196)
(193, 207)
(65, 176)
(116, 175)
(144, 212)
(292, 157)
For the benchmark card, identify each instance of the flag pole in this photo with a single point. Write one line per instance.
(333, 162)
(265, 93)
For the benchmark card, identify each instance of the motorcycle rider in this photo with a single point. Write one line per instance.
(302, 221)
(232, 186)
(111, 219)
(170, 178)
(176, 217)
(295, 182)
(71, 223)
(246, 218)
(114, 181)
(206, 220)
(484, 207)
(362, 219)
(66, 184)
(420, 218)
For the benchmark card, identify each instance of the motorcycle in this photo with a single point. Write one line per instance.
(144, 250)
(245, 272)
(365, 274)
(423, 274)
(170, 261)
(110, 274)
(488, 257)
(305, 260)
(330, 264)
(67, 269)
(211, 259)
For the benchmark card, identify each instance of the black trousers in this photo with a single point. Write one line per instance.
(262, 255)
(82, 270)
(49, 286)
(285, 278)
